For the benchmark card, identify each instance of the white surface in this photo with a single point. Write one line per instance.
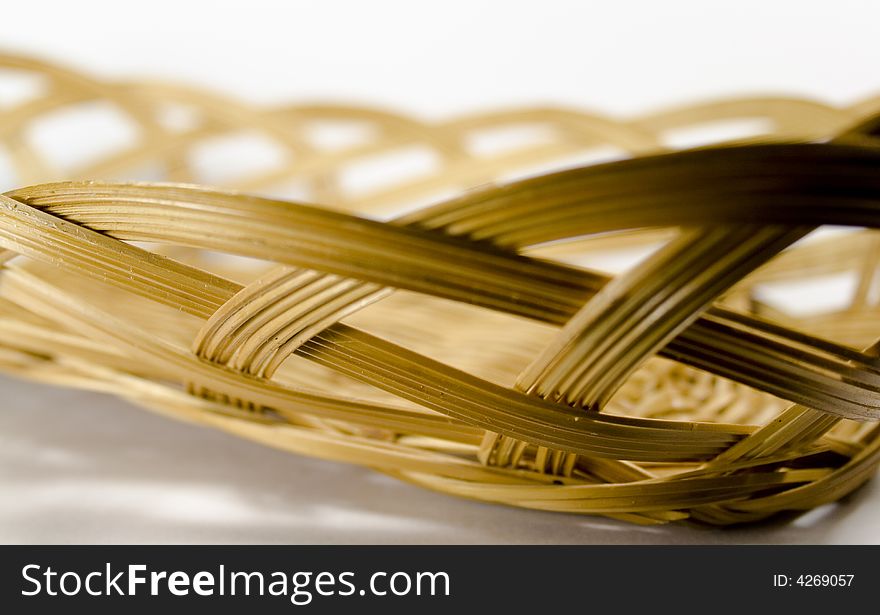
(76, 467)
(87, 468)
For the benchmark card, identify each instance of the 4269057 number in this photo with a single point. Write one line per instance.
(813, 580)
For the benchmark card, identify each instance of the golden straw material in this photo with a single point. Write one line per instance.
(448, 323)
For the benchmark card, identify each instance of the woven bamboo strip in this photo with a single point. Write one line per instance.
(442, 327)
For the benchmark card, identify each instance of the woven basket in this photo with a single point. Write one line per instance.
(450, 327)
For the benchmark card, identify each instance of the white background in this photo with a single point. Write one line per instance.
(86, 468)
(441, 58)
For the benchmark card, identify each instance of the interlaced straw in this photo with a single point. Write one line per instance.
(443, 328)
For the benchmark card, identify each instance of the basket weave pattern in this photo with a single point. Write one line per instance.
(458, 342)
